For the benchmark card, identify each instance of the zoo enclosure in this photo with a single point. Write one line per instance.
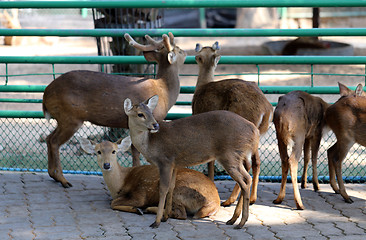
(20, 148)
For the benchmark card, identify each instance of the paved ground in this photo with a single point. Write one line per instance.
(33, 206)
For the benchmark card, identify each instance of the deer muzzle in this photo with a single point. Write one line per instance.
(107, 166)
(156, 128)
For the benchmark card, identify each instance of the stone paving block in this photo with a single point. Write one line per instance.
(23, 234)
(349, 228)
(348, 237)
(4, 233)
(328, 229)
(260, 232)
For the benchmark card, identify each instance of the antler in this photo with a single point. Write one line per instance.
(153, 44)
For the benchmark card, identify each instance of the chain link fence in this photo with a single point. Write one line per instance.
(23, 148)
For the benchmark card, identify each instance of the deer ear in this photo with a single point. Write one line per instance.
(124, 144)
(343, 90)
(152, 102)
(87, 145)
(150, 56)
(127, 105)
(359, 90)
(172, 58)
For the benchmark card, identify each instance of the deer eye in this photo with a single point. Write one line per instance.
(140, 115)
(114, 152)
(99, 152)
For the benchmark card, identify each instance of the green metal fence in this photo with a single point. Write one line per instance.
(22, 132)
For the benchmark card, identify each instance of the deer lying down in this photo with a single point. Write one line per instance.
(235, 95)
(221, 135)
(299, 119)
(79, 96)
(347, 119)
(133, 188)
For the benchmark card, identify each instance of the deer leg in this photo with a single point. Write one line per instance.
(207, 210)
(242, 177)
(59, 136)
(211, 170)
(304, 177)
(331, 155)
(314, 161)
(256, 169)
(293, 162)
(169, 200)
(166, 173)
(178, 211)
(129, 209)
(342, 153)
(135, 156)
(284, 166)
(234, 195)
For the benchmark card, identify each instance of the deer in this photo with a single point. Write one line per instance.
(221, 135)
(346, 118)
(299, 119)
(236, 95)
(134, 189)
(78, 96)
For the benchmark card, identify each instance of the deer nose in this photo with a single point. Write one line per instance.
(156, 126)
(106, 166)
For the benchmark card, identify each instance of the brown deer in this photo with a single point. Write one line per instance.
(220, 135)
(79, 96)
(347, 119)
(235, 95)
(136, 188)
(299, 119)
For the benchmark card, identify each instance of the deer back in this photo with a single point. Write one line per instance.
(299, 113)
(241, 97)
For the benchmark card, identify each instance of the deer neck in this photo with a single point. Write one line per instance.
(168, 77)
(205, 75)
(115, 179)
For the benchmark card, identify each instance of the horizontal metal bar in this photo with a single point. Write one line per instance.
(20, 114)
(187, 32)
(19, 100)
(22, 88)
(39, 114)
(181, 3)
(189, 59)
(190, 89)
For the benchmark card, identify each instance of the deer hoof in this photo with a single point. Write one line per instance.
(238, 226)
(230, 222)
(155, 225)
(349, 200)
(66, 184)
(226, 203)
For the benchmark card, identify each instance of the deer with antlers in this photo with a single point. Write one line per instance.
(79, 96)
(347, 119)
(236, 95)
